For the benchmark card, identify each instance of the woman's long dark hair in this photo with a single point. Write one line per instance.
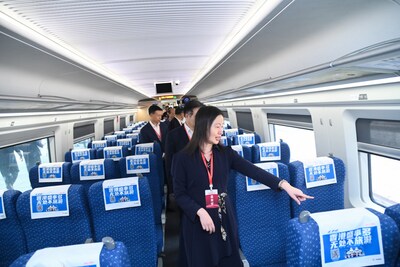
(204, 119)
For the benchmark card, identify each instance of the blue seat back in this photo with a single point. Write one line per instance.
(58, 231)
(110, 171)
(285, 153)
(34, 176)
(304, 247)
(394, 213)
(154, 183)
(327, 197)
(133, 226)
(117, 257)
(12, 238)
(262, 222)
(68, 157)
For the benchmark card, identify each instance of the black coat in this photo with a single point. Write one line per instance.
(177, 139)
(174, 123)
(148, 135)
(190, 183)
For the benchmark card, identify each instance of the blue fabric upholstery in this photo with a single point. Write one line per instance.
(58, 231)
(285, 153)
(111, 171)
(109, 143)
(154, 183)
(34, 176)
(394, 213)
(304, 248)
(117, 257)
(100, 153)
(12, 238)
(68, 157)
(262, 222)
(133, 226)
(160, 165)
(328, 197)
(234, 174)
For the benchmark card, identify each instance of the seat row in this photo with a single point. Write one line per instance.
(270, 233)
(68, 214)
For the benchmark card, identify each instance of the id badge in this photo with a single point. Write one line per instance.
(211, 199)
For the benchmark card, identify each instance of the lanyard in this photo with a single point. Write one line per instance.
(210, 171)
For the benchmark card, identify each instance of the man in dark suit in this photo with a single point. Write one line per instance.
(154, 131)
(179, 137)
(178, 120)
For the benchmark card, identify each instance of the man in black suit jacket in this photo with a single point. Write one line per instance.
(179, 137)
(154, 131)
(177, 121)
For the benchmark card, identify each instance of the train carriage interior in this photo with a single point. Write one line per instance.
(309, 91)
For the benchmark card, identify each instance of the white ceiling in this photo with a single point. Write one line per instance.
(138, 43)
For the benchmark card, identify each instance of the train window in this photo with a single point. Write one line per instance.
(379, 143)
(292, 128)
(108, 126)
(225, 114)
(291, 135)
(83, 143)
(122, 122)
(130, 119)
(17, 160)
(83, 134)
(245, 120)
(383, 181)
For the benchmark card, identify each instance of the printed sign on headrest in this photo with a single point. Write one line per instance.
(127, 130)
(141, 149)
(49, 201)
(113, 152)
(124, 142)
(270, 151)
(319, 172)
(67, 256)
(246, 139)
(120, 134)
(111, 137)
(349, 237)
(99, 144)
(2, 210)
(238, 149)
(231, 132)
(133, 136)
(224, 141)
(80, 154)
(121, 193)
(51, 172)
(91, 170)
(253, 185)
(138, 164)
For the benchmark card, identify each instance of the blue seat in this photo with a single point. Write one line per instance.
(132, 226)
(285, 153)
(108, 143)
(34, 176)
(68, 157)
(233, 174)
(110, 172)
(117, 257)
(57, 231)
(304, 248)
(327, 197)
(154, 183)
(12, 238)
(160, 163)
(394, 213)
(262, 218)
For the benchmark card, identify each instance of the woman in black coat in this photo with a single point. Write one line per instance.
(201, 173)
